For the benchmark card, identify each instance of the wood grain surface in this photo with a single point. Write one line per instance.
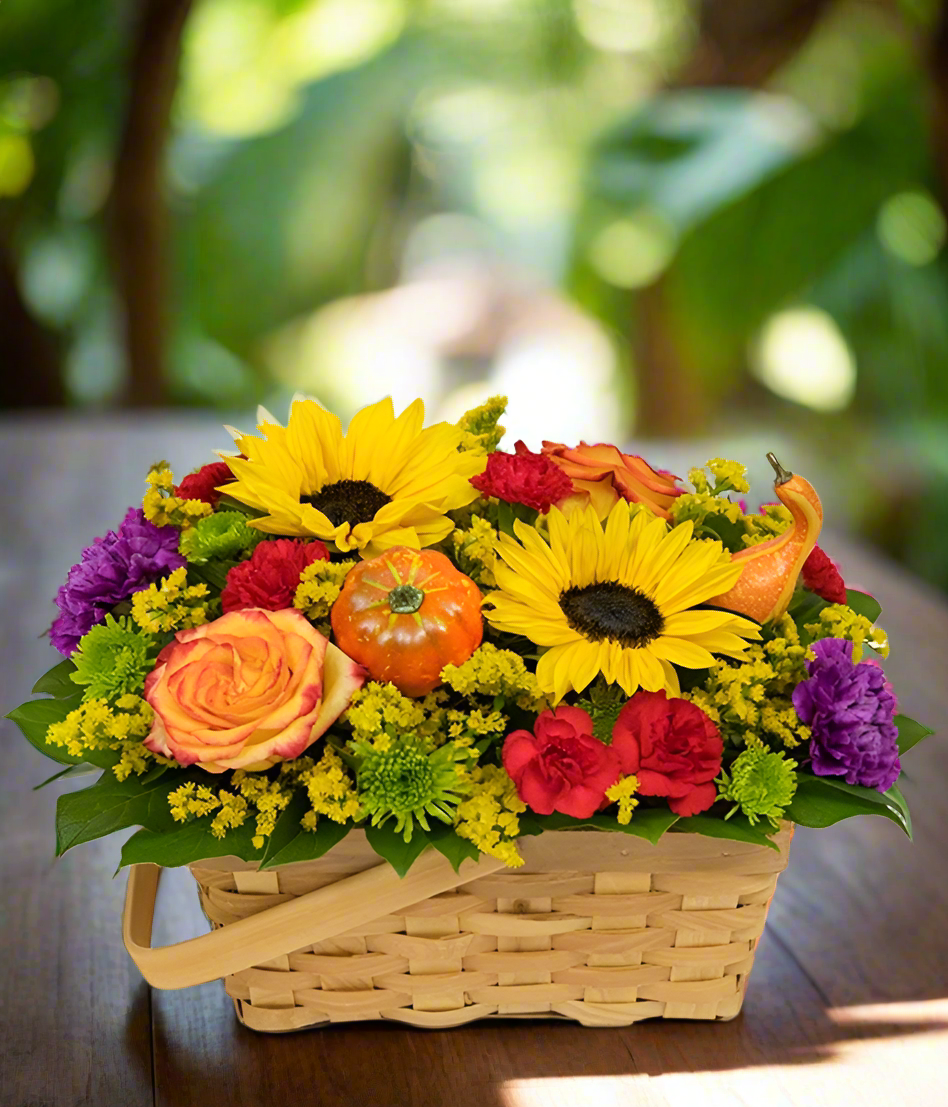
(848, 1002)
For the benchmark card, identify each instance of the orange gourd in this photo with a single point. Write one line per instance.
(771, 569)
(407, 614)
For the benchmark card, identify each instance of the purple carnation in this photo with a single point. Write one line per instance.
(849, 710)
(111, 570)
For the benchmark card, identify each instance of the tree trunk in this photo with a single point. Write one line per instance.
(30, 371)
(741, 43)
(139, 225)
(938, 70)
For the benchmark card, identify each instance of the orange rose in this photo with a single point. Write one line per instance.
(250, 689)
(602, 475)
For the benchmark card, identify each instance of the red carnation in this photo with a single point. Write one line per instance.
(203, 484)
(672, 747)
(523, 478)
(561, 766)
(821, 576)
(271, 576)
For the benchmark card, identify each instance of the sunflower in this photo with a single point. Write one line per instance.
(618, 601)
(387, 482)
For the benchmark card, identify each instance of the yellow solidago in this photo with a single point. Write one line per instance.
(192, 801)
(838, 621)
(173, 604)
(378, 711)
(378, 707)
(474, 550)
(331, 791)
(623, 793)
(750, 701)
(269, 797)
(773, 520)
(94, 725)
(480, 427)
(488, 817)
(493, 672)
(232, 814)
(319, 588)
(162, 507)
(254, 793)
(465, 726)
(726, 476)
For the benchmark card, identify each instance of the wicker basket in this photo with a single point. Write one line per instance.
(602, 928)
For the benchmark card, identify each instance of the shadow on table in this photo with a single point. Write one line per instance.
(203, 1056)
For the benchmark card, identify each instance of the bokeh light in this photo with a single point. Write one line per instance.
(633, 252)
(912, 227)
(801, 355)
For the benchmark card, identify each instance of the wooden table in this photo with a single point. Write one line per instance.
(847, 1003)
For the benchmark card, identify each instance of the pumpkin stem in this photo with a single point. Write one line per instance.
(783, 475)
(405, 599)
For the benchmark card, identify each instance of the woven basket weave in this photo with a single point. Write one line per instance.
(605, 929)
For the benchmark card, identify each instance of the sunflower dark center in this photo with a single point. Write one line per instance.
(610, 610)
(348, 501)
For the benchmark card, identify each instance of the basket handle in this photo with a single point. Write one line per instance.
(313, 917)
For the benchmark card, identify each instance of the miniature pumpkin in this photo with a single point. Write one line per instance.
(771, 568)
(407, 614)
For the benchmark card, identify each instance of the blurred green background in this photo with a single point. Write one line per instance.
(720, 221)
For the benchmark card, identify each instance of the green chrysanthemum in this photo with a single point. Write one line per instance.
(224, 535)
(762, 783)
(113, 660)
(403, 778)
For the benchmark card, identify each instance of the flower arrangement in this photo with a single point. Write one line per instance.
(409, 631)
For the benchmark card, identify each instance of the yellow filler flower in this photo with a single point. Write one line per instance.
(387, 482)
(619, 601)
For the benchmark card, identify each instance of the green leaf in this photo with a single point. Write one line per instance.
(805, 607)
(730, 533)
(822, 801)
(452, 845)
(110, 805)
(401, 855)
(822, 202)
(212, 573)
(530, 824)
(36, 717)
(57, 682)
(689, 152)
(228, 503)
(69, 771)
(895, 794)
(911, 732)
(188, 843)
(505, 518)
(863, 604)
(287, 826)
(737, 829)
(308, 845)
(650, 823)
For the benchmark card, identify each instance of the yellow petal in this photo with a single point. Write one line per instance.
(369, 433)
(552, 674)
(687, 623)
(584, 664)
(672, 683)
(668, 551)
(679, 651)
